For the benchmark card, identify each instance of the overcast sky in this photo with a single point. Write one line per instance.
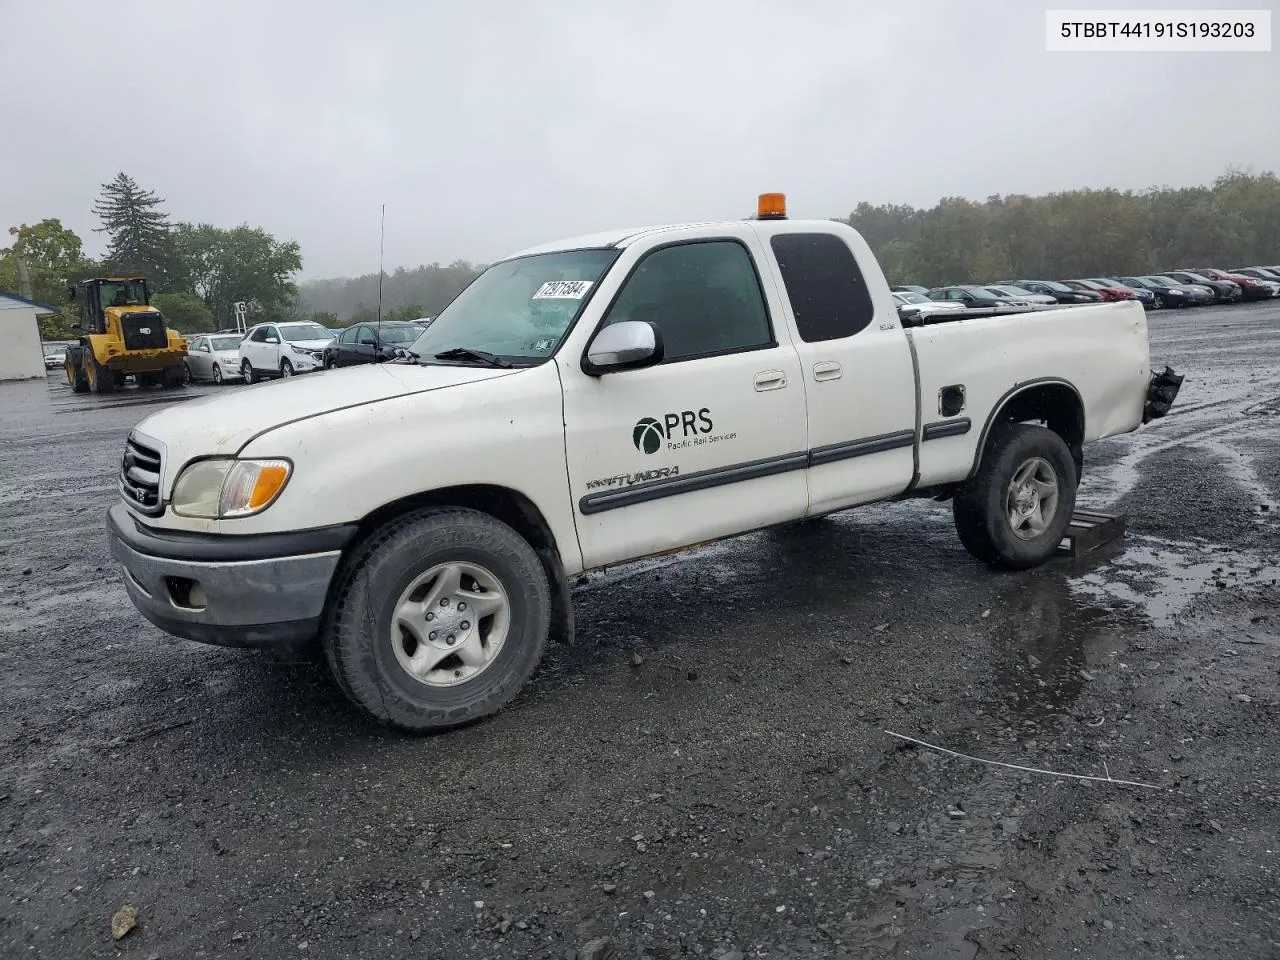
(488, 126)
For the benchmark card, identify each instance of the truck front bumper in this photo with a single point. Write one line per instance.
(259, 590)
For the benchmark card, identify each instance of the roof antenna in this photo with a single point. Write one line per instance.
(381, 247)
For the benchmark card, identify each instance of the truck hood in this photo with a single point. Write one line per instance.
(221, 423)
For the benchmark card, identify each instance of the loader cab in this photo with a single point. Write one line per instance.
(95, 295)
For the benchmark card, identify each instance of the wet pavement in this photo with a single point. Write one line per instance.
(707, 772)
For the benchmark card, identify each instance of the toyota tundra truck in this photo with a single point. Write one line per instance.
(593, 401)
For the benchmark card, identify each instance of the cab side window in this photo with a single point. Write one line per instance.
(704, 296)
(259, 335)
(349, 335)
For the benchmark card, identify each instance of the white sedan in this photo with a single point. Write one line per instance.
(912, 304)
(214, 356)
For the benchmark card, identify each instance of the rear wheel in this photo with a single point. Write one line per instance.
(438, 619)
(1015, 511)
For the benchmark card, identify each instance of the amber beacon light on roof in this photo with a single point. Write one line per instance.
(771, 206)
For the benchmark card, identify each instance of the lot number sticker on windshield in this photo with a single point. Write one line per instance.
(563, 290)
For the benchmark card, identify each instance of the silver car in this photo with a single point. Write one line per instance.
(214, 356)
(1009, 292)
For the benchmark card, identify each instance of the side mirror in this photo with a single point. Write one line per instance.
(628, 345)
(272, 340)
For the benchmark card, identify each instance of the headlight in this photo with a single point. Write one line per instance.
(224, 488)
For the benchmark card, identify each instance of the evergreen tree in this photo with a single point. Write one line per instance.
(141, 236)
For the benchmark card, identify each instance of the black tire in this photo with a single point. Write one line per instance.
(103, 379)
(1159, 302)
(186, 373)
(76, 379)
(357, 636)
(217, 374)
(173, 377)
(980, 509)
(246, 371)
(286, 368)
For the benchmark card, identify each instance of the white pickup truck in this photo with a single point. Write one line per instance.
(593, 401)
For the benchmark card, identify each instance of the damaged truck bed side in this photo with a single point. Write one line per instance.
(594, 401)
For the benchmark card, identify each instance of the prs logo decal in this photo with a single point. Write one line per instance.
(649, 433)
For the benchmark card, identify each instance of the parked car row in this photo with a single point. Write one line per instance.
(1175, 288)
(269, 350)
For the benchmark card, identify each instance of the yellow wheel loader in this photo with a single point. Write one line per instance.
(121, 335)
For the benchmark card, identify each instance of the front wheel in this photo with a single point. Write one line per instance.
(1015, 511)
(438, 619)
(246, 371)
(217, 375)
(186, 373)
(76, 378)
(286, 368)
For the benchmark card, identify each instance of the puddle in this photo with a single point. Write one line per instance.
(1162, 580)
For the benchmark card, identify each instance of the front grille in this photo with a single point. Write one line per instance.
(143, 331)
(140, 477)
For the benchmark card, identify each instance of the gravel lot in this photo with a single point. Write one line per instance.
(706, 772)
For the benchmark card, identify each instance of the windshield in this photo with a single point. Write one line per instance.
(1056, 286)
(1001, 292)
(1017, 291)
(400, 334)
(306, 331)
(912, 298)
(1167, 281)
(520, 309)
(125, 293)
(226, 343)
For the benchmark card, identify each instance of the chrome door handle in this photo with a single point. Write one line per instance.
(770, 380)
(827, 370)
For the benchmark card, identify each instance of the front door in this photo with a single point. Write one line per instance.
(708, 443)
(857, 365)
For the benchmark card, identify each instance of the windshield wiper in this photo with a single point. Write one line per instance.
(466, 353)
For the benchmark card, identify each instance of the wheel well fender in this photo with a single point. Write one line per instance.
(515, 510)
(1053, 402)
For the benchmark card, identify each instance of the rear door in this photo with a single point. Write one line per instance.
(344, 348)
(199, 357)
(706, 444)
(253, 348)
(857, 368)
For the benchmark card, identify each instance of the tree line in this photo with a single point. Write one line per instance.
(1077, 233)
(196, 271)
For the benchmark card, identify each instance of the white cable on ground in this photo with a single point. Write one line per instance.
(1013, 766)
